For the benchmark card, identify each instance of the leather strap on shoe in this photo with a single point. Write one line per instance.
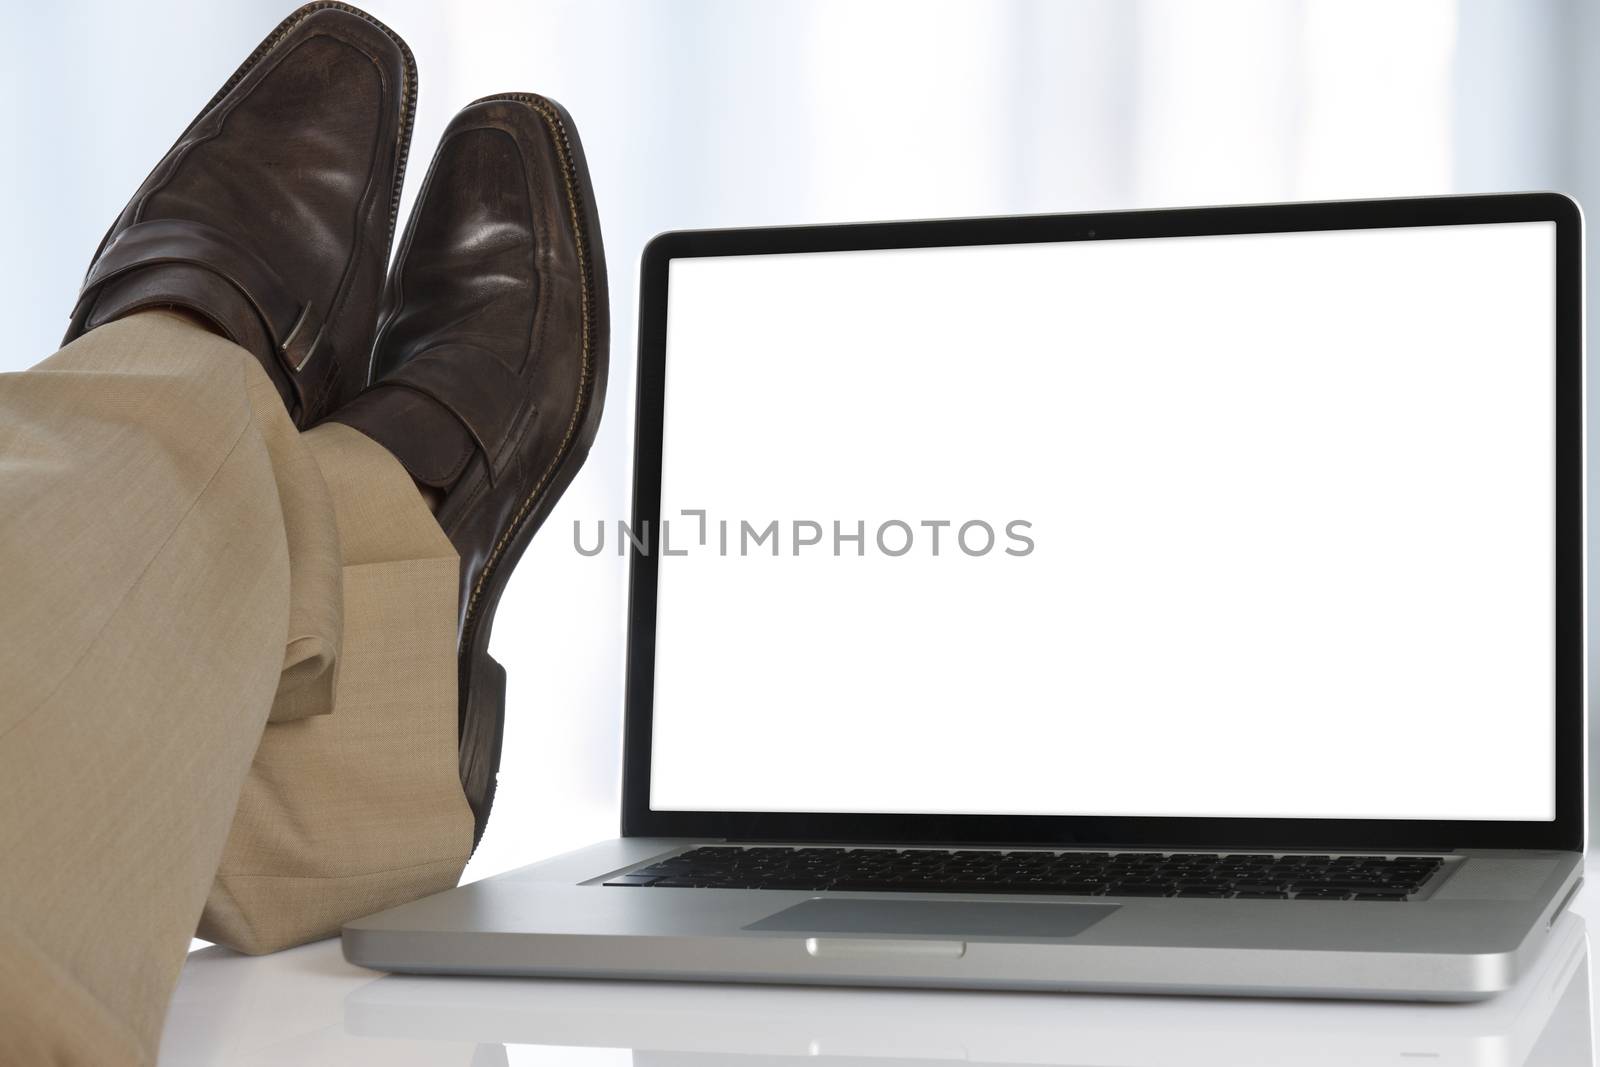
(146, 244)
(475, 386)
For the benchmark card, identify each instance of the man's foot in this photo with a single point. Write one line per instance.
(271, 217)
(490, 364)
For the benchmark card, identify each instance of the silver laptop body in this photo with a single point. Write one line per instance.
(1251, 660)
(1543, 1022)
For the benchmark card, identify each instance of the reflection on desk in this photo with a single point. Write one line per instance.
(308, 1006)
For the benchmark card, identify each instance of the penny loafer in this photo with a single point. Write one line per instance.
(490, 364)
(272, 216)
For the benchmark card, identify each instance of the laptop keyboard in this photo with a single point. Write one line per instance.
(1088, 874)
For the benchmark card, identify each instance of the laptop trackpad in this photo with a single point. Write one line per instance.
(936, 918)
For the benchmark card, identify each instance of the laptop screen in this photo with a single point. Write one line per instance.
(1230, 526)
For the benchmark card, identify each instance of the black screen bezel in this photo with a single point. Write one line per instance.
(1565, 832)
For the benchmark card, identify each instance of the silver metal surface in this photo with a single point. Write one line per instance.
(1542, 1022)
(1473, 932)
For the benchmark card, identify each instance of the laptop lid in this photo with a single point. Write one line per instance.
(1245, 526)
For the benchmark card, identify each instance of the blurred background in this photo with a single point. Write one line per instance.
(697, 113)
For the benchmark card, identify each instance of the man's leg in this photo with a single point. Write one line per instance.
(183, 568)
(147, 577)
(349, 813)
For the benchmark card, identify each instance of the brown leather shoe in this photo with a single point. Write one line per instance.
(272, 215)
(490, 365)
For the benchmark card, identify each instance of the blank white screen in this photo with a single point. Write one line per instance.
(1291, 498)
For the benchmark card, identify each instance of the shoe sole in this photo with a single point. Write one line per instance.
(483, 680)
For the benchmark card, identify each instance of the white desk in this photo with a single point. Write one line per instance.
(308, 1007)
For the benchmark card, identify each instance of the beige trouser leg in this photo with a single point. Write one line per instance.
(178, 565)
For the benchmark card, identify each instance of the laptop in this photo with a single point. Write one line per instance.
(1180, 601)
(1543, 1022)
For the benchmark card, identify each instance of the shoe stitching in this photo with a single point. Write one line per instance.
(586, 380)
